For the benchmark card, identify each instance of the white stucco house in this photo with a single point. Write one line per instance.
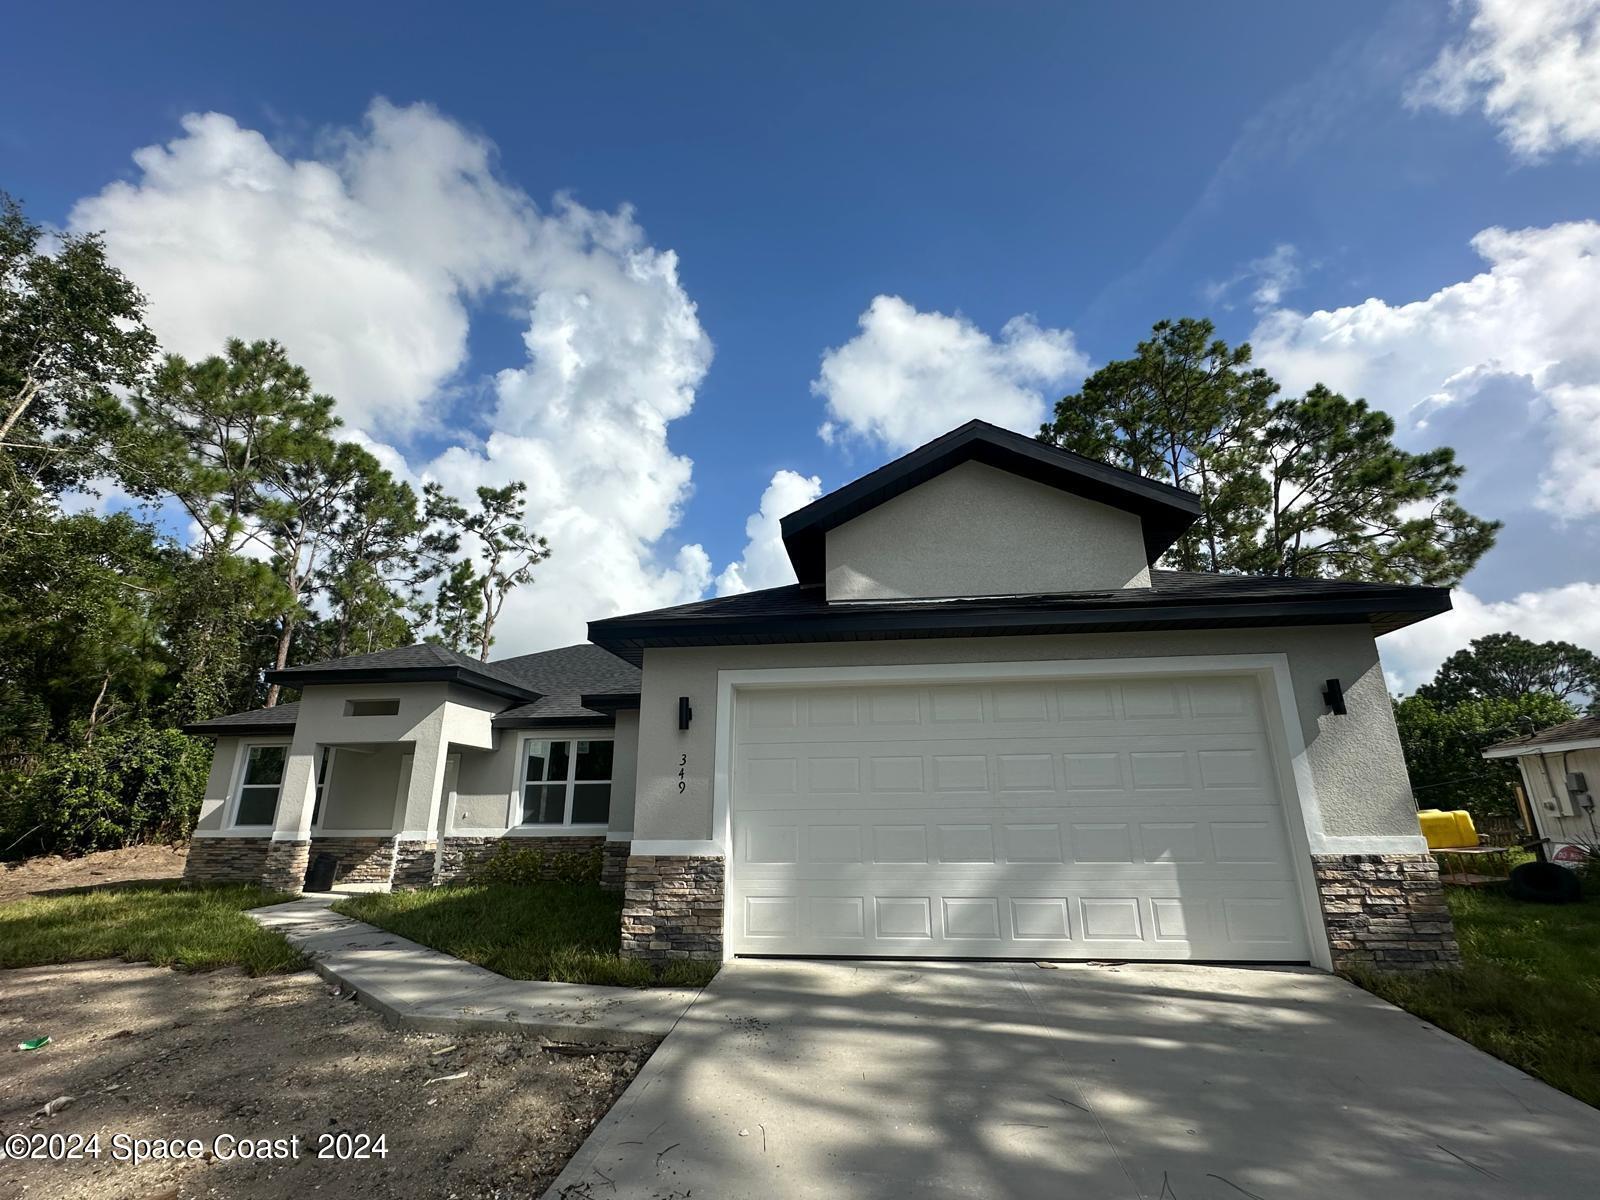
(981, 724)
(1560, 772)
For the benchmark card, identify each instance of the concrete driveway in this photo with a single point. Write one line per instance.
(1173, 1082)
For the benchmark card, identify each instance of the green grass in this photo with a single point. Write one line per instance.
(1528, 990)
(567, 932)
(195, 929)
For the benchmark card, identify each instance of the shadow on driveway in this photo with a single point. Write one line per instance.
(893, 1080)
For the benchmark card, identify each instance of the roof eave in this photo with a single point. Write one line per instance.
(1384, 612)
(241, 730)
(1507, 750)
(302, 677)
(610, 701)
(587, 721)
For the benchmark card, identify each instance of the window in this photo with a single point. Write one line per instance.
(371, 708)
(259, 788)
(324, 765)
(566, 782)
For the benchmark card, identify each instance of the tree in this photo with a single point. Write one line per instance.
(250, 451)
(1338, 487)
(71, 330)
(1443, 747)
(1312, 486)
(457, 610)
(380, 555)
(1505, 666)
(508, 549)
(1187, 409)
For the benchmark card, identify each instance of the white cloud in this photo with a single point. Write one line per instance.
(909, 376)
(367, 259)
(1534, 68)
(1564, 614)
(1272, 276)
(1521, 334)
(765, 563)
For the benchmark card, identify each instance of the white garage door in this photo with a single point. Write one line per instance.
(1074, 818)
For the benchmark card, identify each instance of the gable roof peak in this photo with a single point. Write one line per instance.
(1164, 511)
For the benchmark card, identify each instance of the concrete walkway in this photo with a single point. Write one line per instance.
(861, 1081)
(424, 989)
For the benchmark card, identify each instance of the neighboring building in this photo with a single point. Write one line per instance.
(1560, 769)
(982, 724)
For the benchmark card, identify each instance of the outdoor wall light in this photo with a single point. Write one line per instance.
(1333, 695)
(685, 713)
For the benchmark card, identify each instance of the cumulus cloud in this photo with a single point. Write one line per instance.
(1533, 66)
(765, 563)
(1522, 330)
(909, 376)
(1570, 613)
(369, 257)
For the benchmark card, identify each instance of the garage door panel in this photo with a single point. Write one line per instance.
(1234, 836)
(1089, 919)
(1128, 819)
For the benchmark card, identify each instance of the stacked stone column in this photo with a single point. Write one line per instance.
(1385, 912)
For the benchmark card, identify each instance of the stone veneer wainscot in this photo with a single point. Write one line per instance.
(1385, 912)
(672, 907)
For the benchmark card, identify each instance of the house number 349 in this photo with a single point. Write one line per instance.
(683, 767)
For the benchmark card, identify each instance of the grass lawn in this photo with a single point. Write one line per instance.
(567, 932)
(1528, 990)
(192, 928)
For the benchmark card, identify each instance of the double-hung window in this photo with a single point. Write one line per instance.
(566, 781)
(260, 785)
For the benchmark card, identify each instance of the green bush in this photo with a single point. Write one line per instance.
(139, 783)
(528, 864)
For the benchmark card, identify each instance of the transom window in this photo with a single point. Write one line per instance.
(260, 785)
(566, 781)
(371, 708)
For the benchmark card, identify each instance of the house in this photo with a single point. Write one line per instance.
(982, 724)
(1560, 769)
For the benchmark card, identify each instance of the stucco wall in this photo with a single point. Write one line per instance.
(363, 789)
(214, 808)
(625, 772)
(1356, 761)
(979, 531)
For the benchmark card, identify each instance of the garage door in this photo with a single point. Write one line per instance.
(1074, 818)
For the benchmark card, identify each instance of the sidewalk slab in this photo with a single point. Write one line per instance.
(419, 988)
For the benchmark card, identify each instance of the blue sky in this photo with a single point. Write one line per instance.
(1300, 174)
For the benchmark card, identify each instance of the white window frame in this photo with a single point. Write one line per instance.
(236, 791)
(514, 822)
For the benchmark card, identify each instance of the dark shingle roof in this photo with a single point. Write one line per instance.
(1175, 599)
(549, 684)
(1581, 730)
(257, 720)
(562, 677)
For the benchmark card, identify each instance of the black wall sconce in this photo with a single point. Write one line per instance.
(1333, 696)
(685, 713)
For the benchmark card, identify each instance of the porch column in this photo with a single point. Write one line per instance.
(416, 847)
(289, 853)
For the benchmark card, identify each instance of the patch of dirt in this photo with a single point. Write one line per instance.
(50, 873)
(152, 1053)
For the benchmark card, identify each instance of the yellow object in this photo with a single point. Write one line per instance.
(1447, 830)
